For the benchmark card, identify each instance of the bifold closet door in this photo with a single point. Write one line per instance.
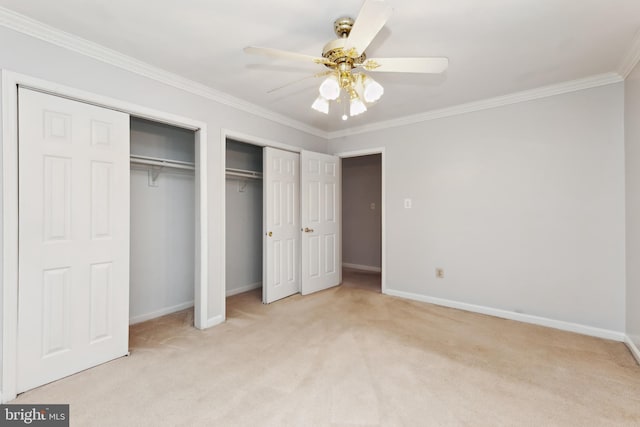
(73, 237)
(321, 219)
(281, 254)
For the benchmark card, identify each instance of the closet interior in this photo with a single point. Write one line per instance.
(243, 217)
(162, 247)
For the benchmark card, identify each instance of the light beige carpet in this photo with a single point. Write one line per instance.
(350, 356)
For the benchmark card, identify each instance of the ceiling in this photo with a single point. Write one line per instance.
(495, 47)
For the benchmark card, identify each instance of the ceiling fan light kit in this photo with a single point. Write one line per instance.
(356, 106)
(330, 88)
(373, 90)
(346, 58)
(321, 104)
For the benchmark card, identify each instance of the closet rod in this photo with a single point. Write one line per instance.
(243, 173)
(154, 161)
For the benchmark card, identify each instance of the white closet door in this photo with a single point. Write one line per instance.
(321, 213)
(281, 192)
(73, 235)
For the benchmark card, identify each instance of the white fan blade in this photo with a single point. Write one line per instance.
(283, 54)
(407, 65)
(370, 20)
(326, 73)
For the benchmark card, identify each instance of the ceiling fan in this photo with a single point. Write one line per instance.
(346, 59)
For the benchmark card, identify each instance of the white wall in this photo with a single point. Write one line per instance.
(244, 220)
(162, 257)
(522, 205)
(361, 227)
(632, 136)
(31, 56)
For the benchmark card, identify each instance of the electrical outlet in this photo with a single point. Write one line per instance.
(407, 203)
(440, 273)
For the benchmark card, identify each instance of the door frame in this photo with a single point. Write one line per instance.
(248, 139)
(10, 238)
(367, 152)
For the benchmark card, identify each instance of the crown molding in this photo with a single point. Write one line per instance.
(631, 59)
(514, 98)
(39, 30)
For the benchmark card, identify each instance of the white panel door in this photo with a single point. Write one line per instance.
(281, 192)
(321, 213)
(73, 254)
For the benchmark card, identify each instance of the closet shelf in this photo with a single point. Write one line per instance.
(241, 173)
(155, 161)
(157, 164)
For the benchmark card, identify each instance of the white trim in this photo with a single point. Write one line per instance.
(221, 248)
(632, 57)
(383, 220)
(39, 30)
(635, 351)
(9, 236)
(216, 320)
(514, 98)
(201, 295)
(159, 313)
(362, 267)
(525, 318)
(256, 140)
(360, 153)
(10, 82)
(243, 289)
(383, 207)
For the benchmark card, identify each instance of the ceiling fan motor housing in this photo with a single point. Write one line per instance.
(334, 51)
(342, 26)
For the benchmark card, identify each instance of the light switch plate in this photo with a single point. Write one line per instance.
(407, 203)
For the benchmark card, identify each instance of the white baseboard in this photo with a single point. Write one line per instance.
(167, 310)
(633, 348)
(214, 321)
(6, 399)
(242, 289)
(520, 317)
(362, 267)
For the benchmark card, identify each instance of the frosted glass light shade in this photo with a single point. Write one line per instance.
(372, 90)
(321, 105)
(330, 88)
(357, 107)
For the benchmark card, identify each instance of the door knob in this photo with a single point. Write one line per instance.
(308, 230)
(270, 233)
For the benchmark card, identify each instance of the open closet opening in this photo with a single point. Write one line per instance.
(244, 217)
(362, 221)
(162, 219)
(89, 238)
(271, 190)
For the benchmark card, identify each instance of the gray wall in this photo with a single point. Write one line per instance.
(632, 134)
(243, 220)
(162, 223)
(523, 206)
(27, 55)
(361, 226)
